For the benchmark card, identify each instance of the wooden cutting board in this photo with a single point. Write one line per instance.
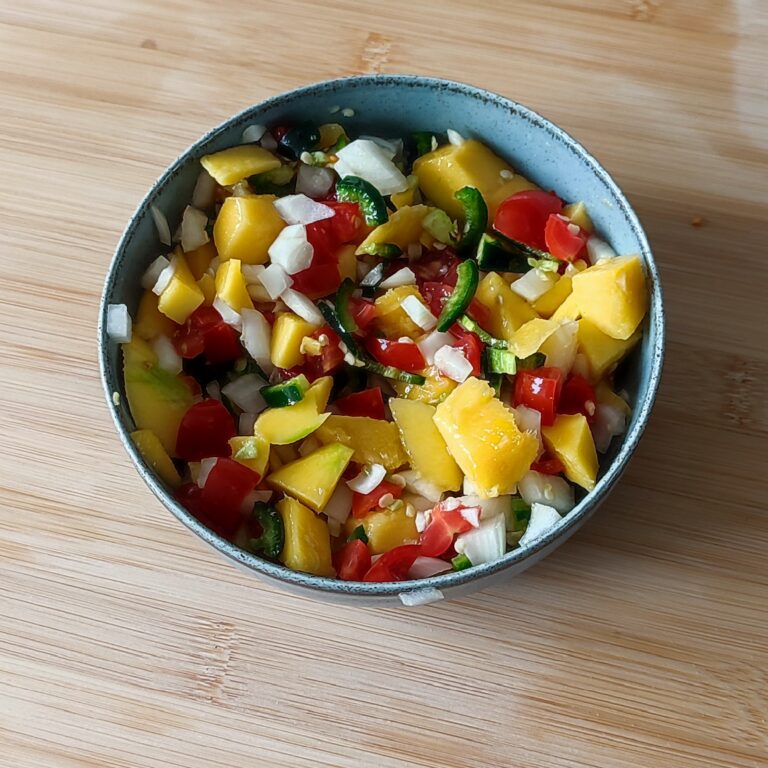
(642, 642)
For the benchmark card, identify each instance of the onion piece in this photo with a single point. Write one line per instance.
(560, 348)
(300, 209)
(161, 225)
(552, 490)
(252, 273)
(369, 161)
(471, 515)
(389, 146)
(451, 362)
(415, 483)
(228, 315)
(313, 180)
(368, 479)
(193, 224)
(253, 133)
(165, 277)
(543, 518)
(213, 390)
(419, 313)
(455, 138)
(339, 506)
(533, 284)
(609, 422)
(599, 250)
(305, 308)
(245, 393)
(204, 193)
(276, 281)
(268, 141)
(257, 338)
(153, 271)
(404, 276)
(424, 567)
(206, 465)
(431, 343)
(245, 423)
(486, 543)
(291, 249)
(167, 357)
(119, 324)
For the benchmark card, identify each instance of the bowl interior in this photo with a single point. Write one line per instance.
(392, 106)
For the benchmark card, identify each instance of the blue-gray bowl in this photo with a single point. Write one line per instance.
(396, 105)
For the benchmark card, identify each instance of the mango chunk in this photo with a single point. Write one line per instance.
(373, 441)
(319, 392)
(150, 321)
(483, 438)
(568, 310)
(182, 296)
(246, 227)
(307, 539)
(207, 285)
(606, 396)
(283, 426)
(251, 451)
(153, 452)
(237, 163)
(200, 259)
(601, 351)
(433, 391)
(408, 195)
(530, 336)
(578, 214)
(424, 444)
(386, 529)
(313, 478)
(508, 310)
(547, 303)
(446, 170)
(231, 286)
(570, 440)
(391, 319)
(403, 228)
(287, 333)
(613, 295)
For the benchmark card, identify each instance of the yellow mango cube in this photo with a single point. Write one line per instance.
(207, 285)
(246, 227)
(530, 336)
(385, 529)
(424, 444)
(347, 262)
(578, 214)
(447, 169)
(434, 390)
(408, 195)
(403, 228)
(391, 319)
(568, 310)
(483, 438)
(150, 321)
(606, 396)
(237, 163)
(231, 286)
(287, 333)
(546, 305)
(307, 545)
(570, 440)
(153, 452)
(373, 441)
(251, 451)
(508, 310)
(613, 295)
(601, 351)
(182, 296)
(200, 259)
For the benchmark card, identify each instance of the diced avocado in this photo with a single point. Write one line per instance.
(373, 441)
(570, 440)
(153, 452)
(287, 333)
(313, 478)
(282, 426)
(307, 544)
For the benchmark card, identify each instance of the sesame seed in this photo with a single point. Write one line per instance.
(348, 112)
(589, 407)
(386, 500)
(116, 398)
(333, 110)
(505, 173)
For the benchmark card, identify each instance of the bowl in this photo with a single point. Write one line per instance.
(396, 105)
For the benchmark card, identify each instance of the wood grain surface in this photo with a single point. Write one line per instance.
(642, 642)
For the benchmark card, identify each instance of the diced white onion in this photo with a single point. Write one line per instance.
(305, 308)
(488, 507)
(420, 597)
(204, 193)
(609, 422)
(340, 504)
(369, 161)
(228, 315)
(419, 313)
(528, 419)
(276, 281)
(543, 518)
(454, 137)
(533, 284)
(431, 343)
(193, 224)
(291, 249)
(310, 445)
(206, 465)
(268, 141)
(404, 276)
(471, 515)
(252, 273)
(246, 423)
(599, 250)
(257, 337)
(161, 224)
(300, 209)
(368, 479)
(167, 357)
(153, 271)
(451, 362)
(486, 543)
(119, 324)
(313, 180)
(415, 483)
(245, 393)
(253, 497)
(254, 133)
(390, 146)
(424, 567)
(213, 390)
(555, 491)
(165, 277)
(560, 348)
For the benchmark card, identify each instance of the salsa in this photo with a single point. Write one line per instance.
(377, 359)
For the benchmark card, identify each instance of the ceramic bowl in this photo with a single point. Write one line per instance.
(397, 105)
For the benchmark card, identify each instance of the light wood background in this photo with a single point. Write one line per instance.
(125, 642)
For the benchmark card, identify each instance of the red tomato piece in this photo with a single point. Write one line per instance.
(444, 524)
(363, 312)
(578, 396)
(348, 224)
(565, 241)
(394, 565)
(435, 294)
(437, 267)
(222, 343)
(548, 465)
(206, 331)
(470, 345)
(363, 503)
(524, 215)
(404, 355)
(205, 430)
(367, 402)
(540, 389)
(352, 561)
(226, 489)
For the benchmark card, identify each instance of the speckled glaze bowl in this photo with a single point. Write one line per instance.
(396, 105)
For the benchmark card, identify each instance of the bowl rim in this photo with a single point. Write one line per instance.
(450, 579)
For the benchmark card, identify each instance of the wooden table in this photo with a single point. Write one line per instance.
(126, 642)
